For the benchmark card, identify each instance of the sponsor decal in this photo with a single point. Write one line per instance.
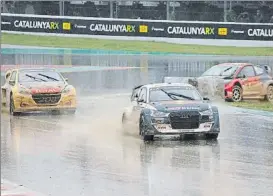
(184, 108)
(5, 23)
(80, 26)
(112, 28)
(174, 108)
(260, 32)
(157, 29)
(191, 30)
(143, 28)
(45, 90)
(237, 32)
(222, 31)
(66, 26)
(36, 24)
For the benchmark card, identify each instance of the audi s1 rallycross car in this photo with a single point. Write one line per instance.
(243, 81)
(171, 109)
(42, 89)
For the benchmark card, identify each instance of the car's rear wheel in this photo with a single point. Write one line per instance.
(142, 130)
(237, 94)
(211, 136)
(269, 94)
(12, 107)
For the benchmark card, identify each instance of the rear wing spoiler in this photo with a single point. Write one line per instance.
(211, 87)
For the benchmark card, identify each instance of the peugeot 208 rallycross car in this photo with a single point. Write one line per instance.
(27, 90)
(171, 109)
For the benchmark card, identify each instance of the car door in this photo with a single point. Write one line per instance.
(4, 89)
(261, 78)
(140, 103)
(9, 85)
(248, 80)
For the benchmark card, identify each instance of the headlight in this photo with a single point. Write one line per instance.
(67, 89)
(206, 113)
(156, 113)
(24, 91)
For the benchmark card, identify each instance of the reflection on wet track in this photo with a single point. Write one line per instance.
(87, 154)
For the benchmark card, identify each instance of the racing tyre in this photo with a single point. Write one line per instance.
(142, 130)
(11, 107)
(211, 136)
(56, 112)
(71, 112)
(123, 120)
(237, 93)
(269, 94)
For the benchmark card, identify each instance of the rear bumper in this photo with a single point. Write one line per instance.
(25, 103)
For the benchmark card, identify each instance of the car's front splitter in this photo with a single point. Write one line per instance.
(166, 129)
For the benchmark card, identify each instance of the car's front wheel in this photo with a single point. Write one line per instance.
(211, 136)
(237, 94)
(12, 107)
(71, 112)
(142, 131)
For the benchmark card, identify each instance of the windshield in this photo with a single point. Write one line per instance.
(221, 70)
(39, 76)
(172, 93)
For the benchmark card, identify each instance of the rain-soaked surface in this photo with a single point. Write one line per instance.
(88, 154)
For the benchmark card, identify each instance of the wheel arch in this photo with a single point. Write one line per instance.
(266, 85)
(237, 83)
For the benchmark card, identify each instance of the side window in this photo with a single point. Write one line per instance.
(248, 71)
(258, 70)
(13, 76)
(143, 94)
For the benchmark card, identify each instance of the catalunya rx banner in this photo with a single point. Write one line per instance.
(137, 28)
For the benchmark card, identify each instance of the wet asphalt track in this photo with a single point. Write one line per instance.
(87, 154)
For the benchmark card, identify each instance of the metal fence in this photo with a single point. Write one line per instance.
(228, 11)
(153, 68)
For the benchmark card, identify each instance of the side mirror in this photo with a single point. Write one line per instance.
(141, 101)
(7, 75)
(134, 99)
(206, 99)
(66, 79)
(241, 76)
(12, 83)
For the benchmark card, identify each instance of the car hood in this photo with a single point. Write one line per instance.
(177, 105)
(44, 87)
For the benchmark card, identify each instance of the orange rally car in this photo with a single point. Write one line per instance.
(42, 89)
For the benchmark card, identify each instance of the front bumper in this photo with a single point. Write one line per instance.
(166, 129)
(228, 92)
(25, 103)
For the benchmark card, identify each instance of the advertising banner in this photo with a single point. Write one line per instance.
(137, 28)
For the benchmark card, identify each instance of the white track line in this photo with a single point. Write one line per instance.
(11, 189)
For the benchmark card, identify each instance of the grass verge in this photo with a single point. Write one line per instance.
(134, 46)
(264, 106)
